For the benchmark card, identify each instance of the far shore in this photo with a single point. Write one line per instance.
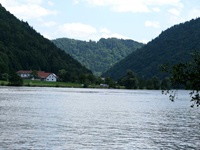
(35, 83)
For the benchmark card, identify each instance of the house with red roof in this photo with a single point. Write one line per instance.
(45, 76)
(42, 75)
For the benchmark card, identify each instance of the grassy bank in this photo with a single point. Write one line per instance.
(34, 83)
(57, 84)
(3, 83)
(50, 84)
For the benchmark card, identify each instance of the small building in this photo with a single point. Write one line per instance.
(25, 74)
(41, 75)
(45, 76)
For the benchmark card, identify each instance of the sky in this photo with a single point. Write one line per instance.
(139, 20)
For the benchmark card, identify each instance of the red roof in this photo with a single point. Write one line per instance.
(43, 74)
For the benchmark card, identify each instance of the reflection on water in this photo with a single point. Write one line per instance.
(61, 118)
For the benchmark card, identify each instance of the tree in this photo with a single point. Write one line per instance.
(4, 76)
(110, 82)
(166, 84)
(15, 79)
(130, 80)
(149, 84)
(156, 83)
(187, 75)
(34, 74)
(62, 74)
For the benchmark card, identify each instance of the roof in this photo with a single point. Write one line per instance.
(24, 71)
(40, 74)
(43, 74)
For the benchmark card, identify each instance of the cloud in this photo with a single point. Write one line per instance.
(48, 24)
(50, 3)
(29, 9)
(174, 12)
(105, 31)
(154, 24)
(156, 9)
(75, 2)
(84, 32)
(176, 17)
(194, 13)
(113, 35)
(135, 6)
(34, 1)
(76, 30)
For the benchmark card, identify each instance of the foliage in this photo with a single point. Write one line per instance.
(36, 83)
(15, 79)
(22, 48)
(172, 46)
(166, 84)
(34, 74)
(98, 56)
(110, 82)
(187, 75)
(156, 83)
(132, 81)
(4, 76)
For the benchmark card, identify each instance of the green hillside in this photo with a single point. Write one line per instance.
(98, 56)
(172, 46)
(21, 47)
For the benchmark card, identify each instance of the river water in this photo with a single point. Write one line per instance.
(96, 119)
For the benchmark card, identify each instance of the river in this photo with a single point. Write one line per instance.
(96, 119)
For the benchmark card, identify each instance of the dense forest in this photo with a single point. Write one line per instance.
(98, 56)
(172, 46)
(21, 47)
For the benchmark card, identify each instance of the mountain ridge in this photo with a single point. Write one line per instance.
(172, 46)
(23, 48)
(98, 56)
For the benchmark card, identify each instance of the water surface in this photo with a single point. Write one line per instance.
(63, 118)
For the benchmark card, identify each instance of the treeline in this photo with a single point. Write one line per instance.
(132, 81)
(129, 81)
(98, 56)
(22, 48)
(172, 46)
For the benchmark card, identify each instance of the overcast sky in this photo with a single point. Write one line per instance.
(140, 20)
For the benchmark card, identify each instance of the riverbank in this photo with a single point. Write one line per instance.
(35, 83)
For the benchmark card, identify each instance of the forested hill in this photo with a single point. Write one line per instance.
(172, 46)
(98, 56)
(21, 47)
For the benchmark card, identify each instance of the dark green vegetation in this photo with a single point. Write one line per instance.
(35, 83)
(132, 81)
(22, 48)
(187, 75)
(98, 56)
(15, 80)
(172, 46)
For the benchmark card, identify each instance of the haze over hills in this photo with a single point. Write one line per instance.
(21, 47)
(172, 46)
(98, 56)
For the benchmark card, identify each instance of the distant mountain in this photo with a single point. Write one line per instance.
(21, 47)
(172, 46)
(98, 56)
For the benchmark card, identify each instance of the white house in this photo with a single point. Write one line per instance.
(44, 76)
(24, 73)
